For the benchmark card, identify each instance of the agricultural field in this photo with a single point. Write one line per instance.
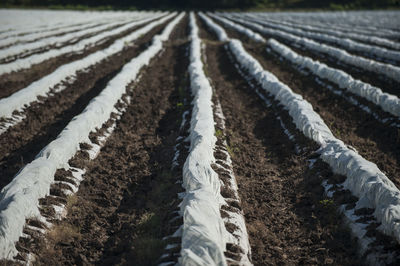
(200, 138)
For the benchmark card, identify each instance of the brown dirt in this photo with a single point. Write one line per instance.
(385, 84)
(12, 82)
(123, 206)
(380, 81)
(376, 141)
(54, 46)
(359, 41)
(38, 30)
(234, 253)
(47, 118)
(84, 27)
(280, 195)
(358, 53)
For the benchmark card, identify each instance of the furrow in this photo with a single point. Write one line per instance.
(389, 103)
(364, 179)
(18, 100)
(334, 22)
(387, 70)
(19, 51)
(359, 37)
(6, 42)
(46, 118)
(129, 188)
(51, 21)
(206, 238)
(374, 137)
(280, 195)
(25, 63)
(12, 82)
(372, 51)
(20, 198)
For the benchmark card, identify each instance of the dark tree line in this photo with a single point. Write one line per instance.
(206, 4)
(165, 4)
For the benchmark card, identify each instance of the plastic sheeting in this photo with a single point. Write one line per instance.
(27, 62)
(249, 33)
(42, 86)
(79, 24)
(204, 235)
(19, 200)
(387, 70)
(364, 179)
(339, 33)
(22, 48)
(343, 42)
(388, 102)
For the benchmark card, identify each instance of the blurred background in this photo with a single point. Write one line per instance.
(204, 4)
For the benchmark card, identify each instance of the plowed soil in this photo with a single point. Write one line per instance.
(84, 26)
(40, 50)
(121, 212)
(284, 218)
(375, 140)
(380, 81)
(45, 119)
(12, 82)
(125, 210)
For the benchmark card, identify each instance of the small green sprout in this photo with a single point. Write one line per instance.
(326, 203)
(218, 133)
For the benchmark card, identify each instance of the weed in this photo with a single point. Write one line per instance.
(64, 233)
(72, 201)
(326, 203)
(181, 93)
(149, 245)
(338, 133)
(328, 211)
(148, 221)
(182, 88)
(145, 250)
(232, 150)
(205, 70)
(219, 133)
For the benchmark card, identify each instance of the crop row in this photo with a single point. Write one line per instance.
(213, 230)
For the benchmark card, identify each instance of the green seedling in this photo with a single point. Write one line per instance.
(232, 150)
(219, 133)
(326, 203)
(181, 92)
